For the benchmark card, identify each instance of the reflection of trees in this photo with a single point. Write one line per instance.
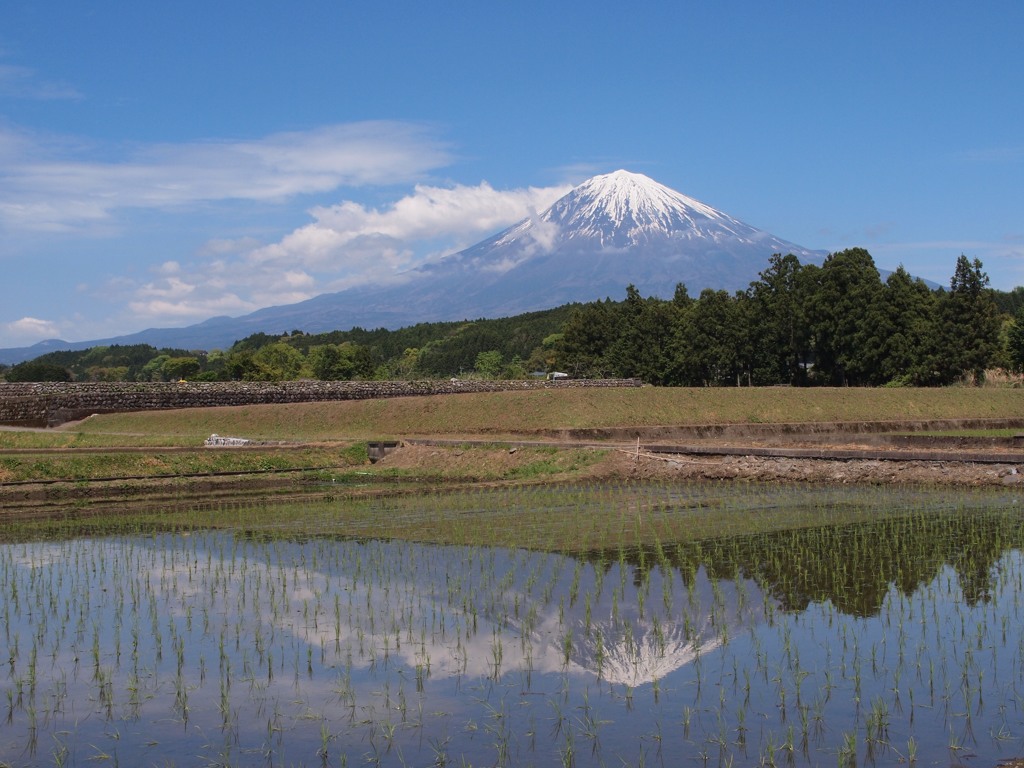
(851, 565)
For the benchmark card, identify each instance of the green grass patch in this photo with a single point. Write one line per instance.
(91, 466)
(554, 462)
(69, 437)
(510, 413)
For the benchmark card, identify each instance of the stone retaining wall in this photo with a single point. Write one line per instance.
(50, 404)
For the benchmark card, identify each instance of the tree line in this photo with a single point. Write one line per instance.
(798, 324)
(495, 348)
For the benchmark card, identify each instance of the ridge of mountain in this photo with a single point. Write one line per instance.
(611, 231)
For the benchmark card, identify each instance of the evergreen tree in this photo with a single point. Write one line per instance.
(677, 372)
(904, 319)
(589, 333)
(778, 322)
(967, 336)
(1015, 341)
(238, 365)
(845, 341)
(1009, 302)
(642, 347)
(747, 347)
(715, 332)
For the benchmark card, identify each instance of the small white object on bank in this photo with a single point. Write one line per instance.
(217, 440)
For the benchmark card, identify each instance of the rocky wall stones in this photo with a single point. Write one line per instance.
(51, 403)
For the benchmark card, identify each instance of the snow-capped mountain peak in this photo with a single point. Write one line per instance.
(625, 209)
(623, 195)
(612, 230)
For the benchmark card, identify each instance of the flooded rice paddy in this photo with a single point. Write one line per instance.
(588, 626)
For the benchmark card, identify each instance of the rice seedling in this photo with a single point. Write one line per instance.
(442, 628)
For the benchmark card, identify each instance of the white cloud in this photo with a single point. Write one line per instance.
(347, 244)
(298, 280)
(177, 301)
(63, 184)
(170, 287)
(543, 232)
(47, 186)
(28, 330)
(363, 244)
(430, 211)
(191, 292)
(186, 293)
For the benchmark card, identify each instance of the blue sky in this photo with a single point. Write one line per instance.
(162, 163)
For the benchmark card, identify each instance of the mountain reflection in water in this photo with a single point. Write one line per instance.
(233, 648)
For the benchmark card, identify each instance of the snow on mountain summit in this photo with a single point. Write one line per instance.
(624, 209)
(612, 230)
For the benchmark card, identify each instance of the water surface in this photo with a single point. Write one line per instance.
(892, 633)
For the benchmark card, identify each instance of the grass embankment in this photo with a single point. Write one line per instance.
(512, 413)
(339, 429)
(155, 464)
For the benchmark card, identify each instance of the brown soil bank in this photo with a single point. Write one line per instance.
(875, 451)
(625, 463)
(873, 432)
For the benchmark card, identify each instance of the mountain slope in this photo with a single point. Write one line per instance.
(611, 231)
(608, 232)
